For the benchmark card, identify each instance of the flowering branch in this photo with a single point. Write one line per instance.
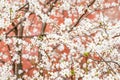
(23, 7)
(103, 60)
(15, 26)
(107, 61)
(97, 9)
(44, 23)
(78, 20)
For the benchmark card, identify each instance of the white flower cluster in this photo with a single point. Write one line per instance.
(5, 73)
(10, 10)
(65, 5)
(87, 50)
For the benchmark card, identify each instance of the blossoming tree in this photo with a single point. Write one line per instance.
(59, 40)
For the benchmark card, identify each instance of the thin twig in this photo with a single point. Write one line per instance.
(95, 10)
(48, 2)
(51, 6)
(23, 6)
(44, 23)
(79, 19)
(15, 26)
(116, 36)
(106, 63)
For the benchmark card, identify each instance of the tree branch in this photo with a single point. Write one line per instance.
(27, 4)
(107, 61)
(15, 26)
(79, 19)
(49, 10)
(103, 60)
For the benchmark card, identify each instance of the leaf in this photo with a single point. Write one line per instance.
(96, 74)
(18, 16)
(108, 71)
(86, 69)
(40, 37)
(59, 4)
(62, 61)
(101, 23)
(72, 72)
(86, 54)
(11, 11)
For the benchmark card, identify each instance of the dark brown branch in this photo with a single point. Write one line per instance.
(101, 9)
(15, 67)
(82, 15)
(27, 4)
(43, 28)
(48, 2)
(23, 36)
(106, 63)
(21, 31)
(18, 30)
(113, 62)
(20, 36)
(51, 6)
(91, 3)
(15, 26)
(116, 36)
(49, 10)
(19, 65)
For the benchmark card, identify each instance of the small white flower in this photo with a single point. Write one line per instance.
(64, 65)
(68, 21)
(65, 6)
(44, 18)
(57, 65)
(19, 79)
(1, 54)
(54, 75)
(20, 71)
(8, 41)
(61, 47)
(26, 56)
(27, 14)
(59, 78)
(80, 9)
(107, 5)
(35, 30)
(36, 73)
(5, 56)
(65, 72)
(114, 4)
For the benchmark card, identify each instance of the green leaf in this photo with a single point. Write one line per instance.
(59, 3)
(108, 71)
(101, 23)
(72, 72)
(40, 37)
(96, 74)
(86, 69)
(11, 11)
(86, 54)
(18, 16)
(62, 61)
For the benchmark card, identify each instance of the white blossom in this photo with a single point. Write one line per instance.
(67, 21)
(65, 5)
(65, 45)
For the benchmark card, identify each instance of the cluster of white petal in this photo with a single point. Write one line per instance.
(68, 50)
(5, 72)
